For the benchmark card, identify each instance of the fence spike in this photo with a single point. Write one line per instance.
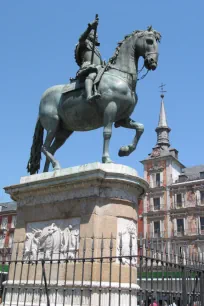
(121, 242)
(102, 242)
(75, 245)
(111, 242)
(84, 247)
(130, 244)
(157, 245)
(140, 241)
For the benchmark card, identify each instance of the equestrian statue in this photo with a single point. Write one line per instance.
(102, 94)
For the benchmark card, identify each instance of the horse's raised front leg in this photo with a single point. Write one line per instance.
(109, 118)
(130, 124)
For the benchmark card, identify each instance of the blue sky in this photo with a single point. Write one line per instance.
(37, 46)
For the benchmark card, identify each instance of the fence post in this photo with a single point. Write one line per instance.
(184, 291)
(202, 288)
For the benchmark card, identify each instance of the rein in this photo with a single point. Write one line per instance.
(131, 74)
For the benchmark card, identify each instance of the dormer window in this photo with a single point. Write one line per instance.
(182, 178)
(202, 197)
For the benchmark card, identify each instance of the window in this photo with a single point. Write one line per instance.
(202, 197)
(202, 225)
(156, 229)
(4, 223)
(156, 203)
(202, 175)
(180, 227)
(179, 200)
(158, 180)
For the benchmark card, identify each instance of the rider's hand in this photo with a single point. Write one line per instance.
(94, 24)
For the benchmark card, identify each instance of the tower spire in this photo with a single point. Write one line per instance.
(162, 129)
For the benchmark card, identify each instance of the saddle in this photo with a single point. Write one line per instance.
(77, 84)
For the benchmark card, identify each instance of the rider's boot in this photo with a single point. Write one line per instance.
(89, 91)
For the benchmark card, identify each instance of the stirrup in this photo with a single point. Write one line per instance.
(93, 98)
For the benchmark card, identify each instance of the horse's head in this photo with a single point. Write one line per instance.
(148, 47)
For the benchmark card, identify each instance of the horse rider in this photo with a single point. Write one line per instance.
(89, 59)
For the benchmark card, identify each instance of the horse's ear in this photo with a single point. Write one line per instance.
(150, 28)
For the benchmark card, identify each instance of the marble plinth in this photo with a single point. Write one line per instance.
(67, 206)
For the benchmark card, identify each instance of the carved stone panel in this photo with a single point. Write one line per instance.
(48, 239)
(126, 233)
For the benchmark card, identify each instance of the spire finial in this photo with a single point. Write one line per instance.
(162, 128)
(162, 90)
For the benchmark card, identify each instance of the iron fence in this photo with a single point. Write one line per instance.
(104, 272)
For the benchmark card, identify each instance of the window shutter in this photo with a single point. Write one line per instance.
(161, 178)
(162, 202)
(153, 180)
(198, 197)
(151, 204)
(151, 229)
(184, 226)
(175, 227)
(183, 199)
(174, 200)
(199, 226)
(161, 228)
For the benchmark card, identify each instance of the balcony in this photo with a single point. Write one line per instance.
(156, 234)
(156, 208)
(156, 184)
(175, 234)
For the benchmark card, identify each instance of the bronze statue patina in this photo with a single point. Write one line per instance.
(64, 108)
(89, 59)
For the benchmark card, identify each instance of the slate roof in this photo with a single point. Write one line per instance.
(193, 173)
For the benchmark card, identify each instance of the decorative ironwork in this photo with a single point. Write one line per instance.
(165, 272)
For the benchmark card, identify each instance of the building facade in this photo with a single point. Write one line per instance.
(7, 228)
(173, 208)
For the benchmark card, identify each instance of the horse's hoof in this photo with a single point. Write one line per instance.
(57, 167)
(106, 160)
(124, 151)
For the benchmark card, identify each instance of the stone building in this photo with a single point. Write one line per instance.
(7, 227)
(174, 205)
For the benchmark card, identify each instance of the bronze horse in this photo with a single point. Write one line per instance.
(62, 114)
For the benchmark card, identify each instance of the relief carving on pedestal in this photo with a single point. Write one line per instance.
(49, 239)
(127, 229)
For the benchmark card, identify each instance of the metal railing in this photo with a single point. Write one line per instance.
(104, 272)
(156, 208)
(175, 233)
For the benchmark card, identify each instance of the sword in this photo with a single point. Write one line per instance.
(94, 42)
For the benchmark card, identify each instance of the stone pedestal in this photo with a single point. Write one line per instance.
(56, 212)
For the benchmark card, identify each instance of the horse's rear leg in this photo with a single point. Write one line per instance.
(46, 149)
(109, 118)
(60, 138)
(130, 124)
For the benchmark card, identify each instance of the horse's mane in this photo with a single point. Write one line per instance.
(157, 35)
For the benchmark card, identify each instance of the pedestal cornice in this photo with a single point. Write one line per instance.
(90, 179)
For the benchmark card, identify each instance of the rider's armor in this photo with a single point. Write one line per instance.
(88, 71)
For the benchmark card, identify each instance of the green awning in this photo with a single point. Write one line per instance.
(4, 268)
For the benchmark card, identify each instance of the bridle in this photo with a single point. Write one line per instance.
(138, 71)
(145, 57)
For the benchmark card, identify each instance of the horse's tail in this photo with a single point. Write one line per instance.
(35, 152)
